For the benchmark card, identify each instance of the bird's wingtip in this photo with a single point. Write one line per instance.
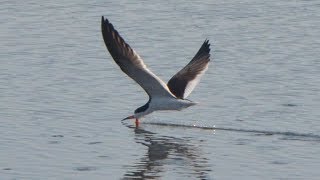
(206, 41)
(104, 20)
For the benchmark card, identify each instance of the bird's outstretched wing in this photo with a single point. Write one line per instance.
(182, 83)
(131, 63)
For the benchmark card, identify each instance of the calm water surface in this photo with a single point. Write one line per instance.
(62, 96)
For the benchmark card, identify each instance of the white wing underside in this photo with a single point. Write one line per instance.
(151, 83)
(193, 83)
(131, 63)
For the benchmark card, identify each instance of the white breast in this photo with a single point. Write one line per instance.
(160, 104)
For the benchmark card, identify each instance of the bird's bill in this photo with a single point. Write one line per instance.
(130, 117)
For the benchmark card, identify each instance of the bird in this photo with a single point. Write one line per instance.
(162, 96)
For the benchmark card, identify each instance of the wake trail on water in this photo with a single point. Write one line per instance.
(289, 135)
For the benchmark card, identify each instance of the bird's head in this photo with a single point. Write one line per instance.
(139, 112)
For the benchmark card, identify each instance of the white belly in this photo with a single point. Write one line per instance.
(161, 104)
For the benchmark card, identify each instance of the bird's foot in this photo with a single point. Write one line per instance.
(137, 122)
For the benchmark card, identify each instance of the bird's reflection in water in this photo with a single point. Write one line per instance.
(164, 154)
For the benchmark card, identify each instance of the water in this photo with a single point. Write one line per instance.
(62, 97)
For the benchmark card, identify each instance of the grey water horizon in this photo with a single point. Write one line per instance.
(63, 97)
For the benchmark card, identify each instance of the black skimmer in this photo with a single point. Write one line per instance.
(171, 96)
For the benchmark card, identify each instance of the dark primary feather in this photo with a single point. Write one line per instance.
(130, 62)
(118, 48)
(178, 83)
